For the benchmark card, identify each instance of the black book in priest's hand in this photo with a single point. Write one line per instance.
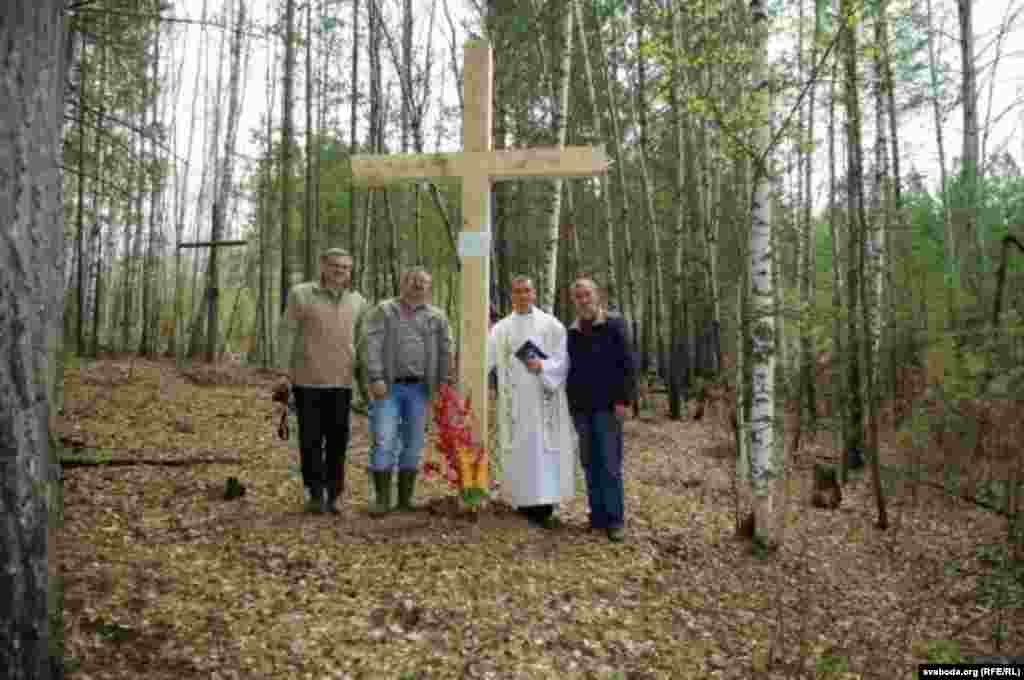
(528, 350)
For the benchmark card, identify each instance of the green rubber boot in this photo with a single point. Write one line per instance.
(382, 485)
(406, 488)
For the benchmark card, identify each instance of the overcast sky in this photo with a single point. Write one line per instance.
(265, 53)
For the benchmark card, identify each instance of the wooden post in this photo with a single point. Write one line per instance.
(475, 287)
(477, 167)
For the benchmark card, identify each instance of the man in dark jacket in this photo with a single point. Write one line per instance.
(601, 386)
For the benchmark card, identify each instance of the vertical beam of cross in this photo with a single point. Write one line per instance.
(474, 288)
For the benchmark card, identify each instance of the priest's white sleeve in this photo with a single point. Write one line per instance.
(555, 369)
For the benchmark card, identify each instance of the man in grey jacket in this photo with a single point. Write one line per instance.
(405, 357)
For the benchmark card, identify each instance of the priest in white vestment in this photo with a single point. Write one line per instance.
(536, 440)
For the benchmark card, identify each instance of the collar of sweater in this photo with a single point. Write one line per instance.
(334, 293)
(601, 318)
(407, 308)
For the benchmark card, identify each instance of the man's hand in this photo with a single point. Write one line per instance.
(281, 391)
(621, 412)
(378, 389)
(534, 366)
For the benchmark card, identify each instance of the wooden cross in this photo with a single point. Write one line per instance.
(478, 166)
(213, 289)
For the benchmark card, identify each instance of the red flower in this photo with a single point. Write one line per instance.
(452, 435)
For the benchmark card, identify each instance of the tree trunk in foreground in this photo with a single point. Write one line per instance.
(31, 246)
(762, 330)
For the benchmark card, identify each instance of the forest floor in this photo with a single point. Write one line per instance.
(166, 579)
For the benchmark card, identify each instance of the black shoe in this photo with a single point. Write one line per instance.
(314, 503)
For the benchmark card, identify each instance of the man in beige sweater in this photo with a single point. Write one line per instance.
(317, 352)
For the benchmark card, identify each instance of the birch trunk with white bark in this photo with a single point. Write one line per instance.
(949, 241)
(878, 225)
(602, 184)
(549, 266)
(762, 267)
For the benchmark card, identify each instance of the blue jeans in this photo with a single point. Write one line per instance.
(601, 455)
(397, 423)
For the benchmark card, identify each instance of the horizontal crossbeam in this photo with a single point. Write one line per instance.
(537, 163)
(211, 244)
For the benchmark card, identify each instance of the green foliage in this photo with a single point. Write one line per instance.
(606, 9)
(822, 17)
(775, 8)
(920, 261)
(473, 497)
(908, 50)
(97, 456)
(942, 651)
(335, 184)
(1001, 587)
(762, 549)
(830, 664)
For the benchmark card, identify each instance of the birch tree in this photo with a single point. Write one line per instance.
(150, 264)
(181, 176)
(807, 392)
(878, 226)
(628, 301)
(81, 267)
(951, 251)
(859, 305)
(97, 204)
(601, 183)
(225, 181)
(637, 108)
(560, 111)
(838, 394)
(762, 266)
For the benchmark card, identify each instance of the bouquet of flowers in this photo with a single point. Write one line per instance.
(463, 462)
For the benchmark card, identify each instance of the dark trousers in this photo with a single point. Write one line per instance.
(323, 436)
(601, 455)
(537, 514)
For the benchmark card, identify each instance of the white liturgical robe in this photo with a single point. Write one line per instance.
(535, 434)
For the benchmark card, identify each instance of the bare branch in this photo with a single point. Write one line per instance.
(265, 35)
